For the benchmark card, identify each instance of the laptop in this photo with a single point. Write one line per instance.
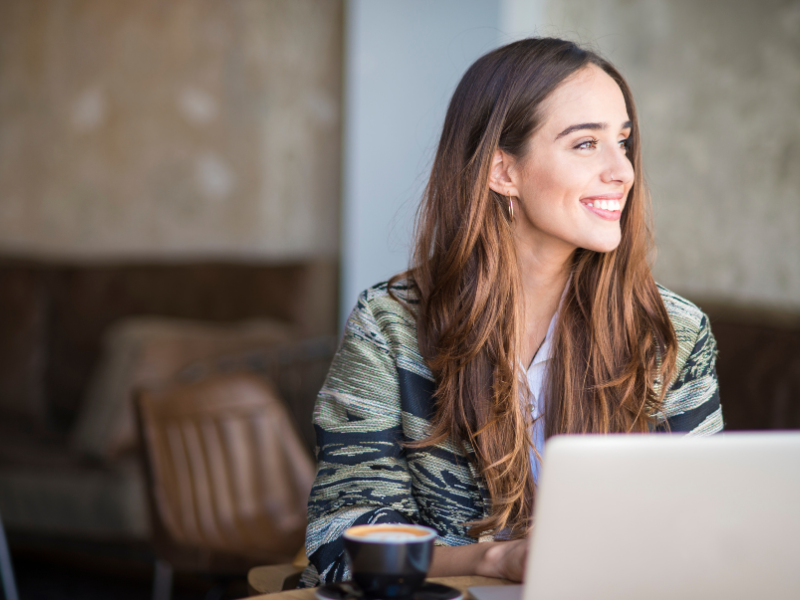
(664, 516)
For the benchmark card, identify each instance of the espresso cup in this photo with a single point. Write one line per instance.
(389, 560)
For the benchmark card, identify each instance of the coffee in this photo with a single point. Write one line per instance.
(389, 533)
(389, 560)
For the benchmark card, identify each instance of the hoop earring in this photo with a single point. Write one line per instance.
(511, 209)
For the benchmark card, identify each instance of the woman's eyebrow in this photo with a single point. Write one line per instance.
(590, 126)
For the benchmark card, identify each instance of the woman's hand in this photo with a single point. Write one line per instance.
(503, 560)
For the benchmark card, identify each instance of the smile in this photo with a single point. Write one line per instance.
(609, 209)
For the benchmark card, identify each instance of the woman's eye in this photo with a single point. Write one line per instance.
(625, 144)
(588, 144)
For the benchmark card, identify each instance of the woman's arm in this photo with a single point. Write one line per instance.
(362, 474)
(504, 560)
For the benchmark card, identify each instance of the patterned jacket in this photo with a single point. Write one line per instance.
(379, 392)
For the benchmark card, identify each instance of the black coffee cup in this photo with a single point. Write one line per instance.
(389, 560)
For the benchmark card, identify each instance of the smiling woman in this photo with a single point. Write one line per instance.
(529, 310)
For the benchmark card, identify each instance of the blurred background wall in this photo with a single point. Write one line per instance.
(162, 130)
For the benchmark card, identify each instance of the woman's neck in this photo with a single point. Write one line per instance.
(544, 271)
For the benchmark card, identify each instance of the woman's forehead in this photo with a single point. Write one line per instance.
(588, 96)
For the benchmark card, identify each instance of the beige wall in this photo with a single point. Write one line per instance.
(718, 89)
(152, 129)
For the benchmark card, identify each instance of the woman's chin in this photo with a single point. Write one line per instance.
(604, 245)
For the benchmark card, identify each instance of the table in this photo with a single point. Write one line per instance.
(460, 583)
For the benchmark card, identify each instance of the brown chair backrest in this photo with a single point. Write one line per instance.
(227, 471)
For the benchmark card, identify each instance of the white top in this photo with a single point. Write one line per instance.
(536, 375)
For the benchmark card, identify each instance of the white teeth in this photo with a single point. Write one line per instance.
(605, 204)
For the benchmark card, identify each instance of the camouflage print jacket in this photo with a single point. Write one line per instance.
(378, 393)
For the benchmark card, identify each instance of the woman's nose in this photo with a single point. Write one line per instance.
(617, 167)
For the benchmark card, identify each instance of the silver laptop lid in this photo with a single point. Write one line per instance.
(663, 516)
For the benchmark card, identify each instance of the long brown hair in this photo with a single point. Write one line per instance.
(614, 344)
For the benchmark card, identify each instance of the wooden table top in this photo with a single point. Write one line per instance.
(460, 583)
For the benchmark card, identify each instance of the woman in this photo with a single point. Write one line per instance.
(529, 311)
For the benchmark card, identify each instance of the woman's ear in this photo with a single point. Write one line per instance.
(501, 174)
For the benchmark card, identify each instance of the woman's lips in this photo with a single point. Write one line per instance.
(608, 208)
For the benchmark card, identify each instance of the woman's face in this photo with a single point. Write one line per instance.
(573, 181)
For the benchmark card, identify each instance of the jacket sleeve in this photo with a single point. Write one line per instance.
(692, 403)
(362, 474)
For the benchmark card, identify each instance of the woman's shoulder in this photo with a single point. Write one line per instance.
(385, 314)
(396, 289)
(697, 349)
(384, 322)
(687, 318)
(392, 301)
